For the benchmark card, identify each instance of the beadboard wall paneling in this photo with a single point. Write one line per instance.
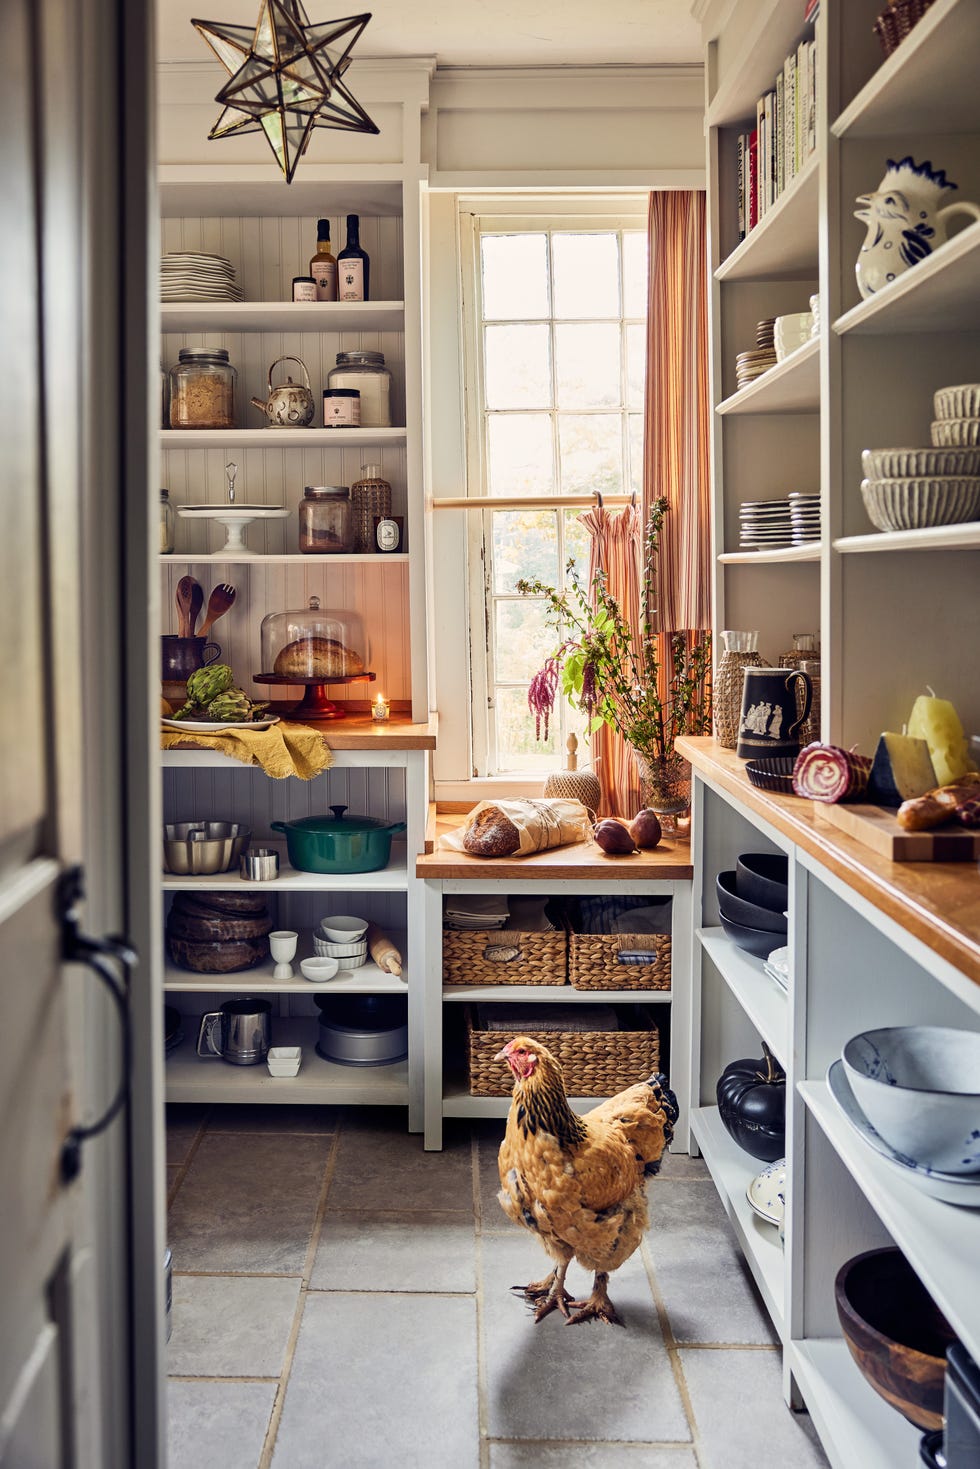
(234, 794)
(377, 590)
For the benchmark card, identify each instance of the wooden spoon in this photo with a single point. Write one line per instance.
(221, 599)
(185, 588)
(194, 611)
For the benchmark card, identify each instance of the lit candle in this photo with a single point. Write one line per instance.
(380, 709)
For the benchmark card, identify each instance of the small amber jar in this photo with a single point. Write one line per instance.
(202, 389)
(326, 520)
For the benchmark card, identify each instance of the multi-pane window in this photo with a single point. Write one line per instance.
(555, 331)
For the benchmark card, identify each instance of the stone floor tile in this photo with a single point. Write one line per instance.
(174, 1176)
(591, 1456)
(706, 1286)
(381, 1166)
(415, 1250)
(281, 1117)
(393, 1379)
(248, 1203)
(589, 1382)
(184, 1122)
(678, 1166)
(220, 1424)
(231, 1326)
(489, 1135)
(741, 1419)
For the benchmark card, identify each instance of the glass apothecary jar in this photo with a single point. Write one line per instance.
(202, 389)
(166, 523)
(370, 498)
(314, 642)
(326, 520)
(366, 372)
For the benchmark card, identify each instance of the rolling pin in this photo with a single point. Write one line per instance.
(383, 951)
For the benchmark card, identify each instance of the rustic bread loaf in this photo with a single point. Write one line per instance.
(490, 833)
(318, 658)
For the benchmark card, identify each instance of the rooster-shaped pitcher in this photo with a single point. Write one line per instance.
(905, 221)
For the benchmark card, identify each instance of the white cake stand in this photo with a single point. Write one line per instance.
(234, 518)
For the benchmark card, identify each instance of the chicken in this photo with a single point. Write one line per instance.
(579, 1183)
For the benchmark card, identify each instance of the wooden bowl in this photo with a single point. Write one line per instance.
(895, 1333)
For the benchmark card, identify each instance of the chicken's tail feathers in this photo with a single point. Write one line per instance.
(659, 1084)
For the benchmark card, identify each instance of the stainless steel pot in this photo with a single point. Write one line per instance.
(363, 1030)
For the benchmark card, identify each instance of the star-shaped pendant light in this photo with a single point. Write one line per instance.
(285, 78)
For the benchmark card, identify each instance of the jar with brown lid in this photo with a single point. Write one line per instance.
(326, 521)
(202, 389)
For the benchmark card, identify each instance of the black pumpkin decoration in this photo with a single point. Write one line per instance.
(752, 1103)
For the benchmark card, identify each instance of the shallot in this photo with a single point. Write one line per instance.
(613, 838)
(645, 828)
(828, 773)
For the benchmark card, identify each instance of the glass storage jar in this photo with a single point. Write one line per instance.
(166, 523)
(370, 498)
(365, 371)
(202, 389)
(326, 520)
(314, 642)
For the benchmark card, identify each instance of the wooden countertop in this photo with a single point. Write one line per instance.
(937, 902)
(671, 860)
(359, 731)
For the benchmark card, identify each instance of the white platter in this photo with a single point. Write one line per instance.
(213, 726)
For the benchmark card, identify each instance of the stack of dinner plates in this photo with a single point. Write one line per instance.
(186, 276)
(765, 525)
(804, 513)
(750, 365)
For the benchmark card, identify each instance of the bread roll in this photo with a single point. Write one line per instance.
(318, 658)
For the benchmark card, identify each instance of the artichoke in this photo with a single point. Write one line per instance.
(206, 684)
(232, 707)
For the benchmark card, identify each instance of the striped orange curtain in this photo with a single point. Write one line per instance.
(614, 542)
(676, 427)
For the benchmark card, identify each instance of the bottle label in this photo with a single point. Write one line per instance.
(351, 277)
(324, 272)
(304, 291)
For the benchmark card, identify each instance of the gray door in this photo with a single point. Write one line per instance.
(81, 1236)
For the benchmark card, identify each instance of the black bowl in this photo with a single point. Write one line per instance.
(763, 878)
(757, 941)
(740, 910)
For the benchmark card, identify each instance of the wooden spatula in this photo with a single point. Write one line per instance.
(185, 590)
(222, 597)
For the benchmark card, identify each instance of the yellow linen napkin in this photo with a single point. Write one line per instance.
(282, 750)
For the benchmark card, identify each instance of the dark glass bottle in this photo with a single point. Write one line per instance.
(323, 266)
(353, 266)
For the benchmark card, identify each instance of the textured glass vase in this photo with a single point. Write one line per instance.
(665, 787)
(740, 652)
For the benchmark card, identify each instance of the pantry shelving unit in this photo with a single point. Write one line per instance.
(883, 605)
(245, 212)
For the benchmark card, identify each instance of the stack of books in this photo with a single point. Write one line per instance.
(785, 134)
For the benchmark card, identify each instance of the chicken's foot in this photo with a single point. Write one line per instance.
(547, 1295)
(598, 1307)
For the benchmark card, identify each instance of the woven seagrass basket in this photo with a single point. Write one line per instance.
(504, 956)
(614, 961)
(895, 23)
(595, 1063)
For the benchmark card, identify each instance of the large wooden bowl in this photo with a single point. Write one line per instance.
(895, 1333)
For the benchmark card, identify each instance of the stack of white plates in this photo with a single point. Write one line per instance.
(765, 525)
(185, 276)
(804, 513)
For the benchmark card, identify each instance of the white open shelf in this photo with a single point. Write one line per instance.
(856, 1426)
(941, 293)
(939, 1240)
(255, 190)
(192, 1078)
(774, 31)
(927, 85)
(792, 386)
(732, 1170)
(390, 879)
(282, 316)
(367, 980)
(766, 1003)
(556, 993)
(809, 552)
(286, 558)
(278, 438)
(783, 245)
(962, 537)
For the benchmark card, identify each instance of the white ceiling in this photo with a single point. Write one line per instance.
(476, 32)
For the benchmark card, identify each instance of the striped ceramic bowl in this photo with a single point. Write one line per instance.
(955, 433)
(920, 463)
(960, 401)
(914, 504)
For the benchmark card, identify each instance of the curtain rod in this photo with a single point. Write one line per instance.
(529, 502)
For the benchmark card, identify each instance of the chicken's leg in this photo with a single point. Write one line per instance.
(547, 1295)
(598, 1307)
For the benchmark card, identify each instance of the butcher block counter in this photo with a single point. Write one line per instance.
(936, 902)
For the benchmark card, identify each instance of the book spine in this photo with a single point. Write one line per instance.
(780, 135)
(760, 154)
(740, 184)
(811, 125)
(752, 183)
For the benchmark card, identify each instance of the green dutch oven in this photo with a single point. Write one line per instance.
(338, 843)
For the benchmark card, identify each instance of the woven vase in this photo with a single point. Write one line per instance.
(740, 653)
(573, 784)
(370, 497)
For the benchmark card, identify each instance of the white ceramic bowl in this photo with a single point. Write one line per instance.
(919, 1087)
(341, 928)
(284, 1060)
(767, 1192)
(913, 504)
(961, 401)
(955, 433)
(920, 463)
(327, 950)
(319, 969)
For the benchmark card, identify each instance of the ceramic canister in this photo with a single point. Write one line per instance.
(770, 722)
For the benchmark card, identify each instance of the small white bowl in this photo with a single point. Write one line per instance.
(919, 463)
(284, 1060)
(326, 950)
(955, 433)
(317, 970)
(919, 1087)
(341, 928)
(960, 401)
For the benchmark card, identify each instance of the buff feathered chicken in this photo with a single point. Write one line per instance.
(579, 1183)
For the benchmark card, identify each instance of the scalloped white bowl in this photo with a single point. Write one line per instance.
(914, 504)
(960, 401)
(955, 433)
(920, 463)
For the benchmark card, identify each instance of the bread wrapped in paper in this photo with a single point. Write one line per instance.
(519, 828)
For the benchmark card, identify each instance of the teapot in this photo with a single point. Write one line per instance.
(290, 405)
(905, 222)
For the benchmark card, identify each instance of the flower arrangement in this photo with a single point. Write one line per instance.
(610, 670)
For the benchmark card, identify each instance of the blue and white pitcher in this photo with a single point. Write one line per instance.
(905, 221)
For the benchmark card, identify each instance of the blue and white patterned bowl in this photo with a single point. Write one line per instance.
(919, 1087)
(767, 1192)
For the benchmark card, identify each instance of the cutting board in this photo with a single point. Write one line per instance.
(877, 828)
